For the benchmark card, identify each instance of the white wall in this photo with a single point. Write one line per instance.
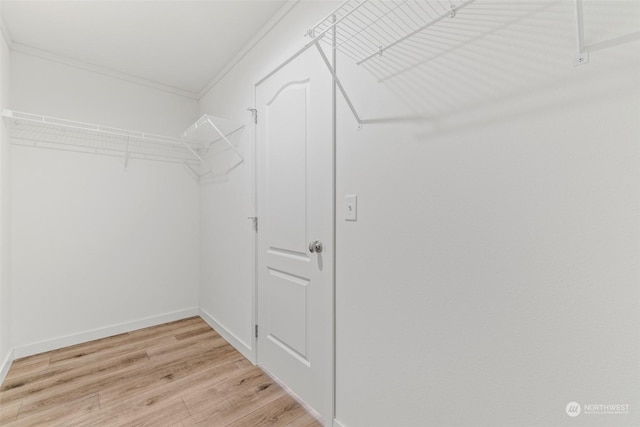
(98, 249)
(5, 213)
(226, 202)
(492, 275)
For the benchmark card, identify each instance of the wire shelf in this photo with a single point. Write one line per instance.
(33, 130)
(208, 130)
(38, 131)
(381, 34)
(202, 135)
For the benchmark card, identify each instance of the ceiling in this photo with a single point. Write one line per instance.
(178, 44)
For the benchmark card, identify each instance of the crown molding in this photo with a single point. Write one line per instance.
(248, 47)
(49, 56)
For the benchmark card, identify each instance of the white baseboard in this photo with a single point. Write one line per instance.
(81, 337)
(6, 364)
(225, 333)
(337, 423)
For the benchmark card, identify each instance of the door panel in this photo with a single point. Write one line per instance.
(288, 324)
(294, 165)
(285, 116)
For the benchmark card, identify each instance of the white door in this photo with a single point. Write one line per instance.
(295, 208)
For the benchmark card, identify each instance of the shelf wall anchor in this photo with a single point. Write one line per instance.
(583, 53)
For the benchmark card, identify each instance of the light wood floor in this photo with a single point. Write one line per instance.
(178, 374)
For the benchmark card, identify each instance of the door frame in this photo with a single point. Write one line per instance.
(330, 391)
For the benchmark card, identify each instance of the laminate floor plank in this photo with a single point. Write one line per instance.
(189, 422)
(175, 347)
(177, 326)
(9, 412)
(243, 363)
(178, 374)
(169, 379)
(222, 408)
(168, 413)
(59, 415)
(59, 380)
(84, 349)
(236, 380)
(92, 355)
(30, 360)
(193, 332)
(306, 420)
(154, 377)
(17, 388)
(79, 384)
(30, 366)
(139, 338)
(276, 413)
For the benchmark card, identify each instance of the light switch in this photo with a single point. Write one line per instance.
(351, 207)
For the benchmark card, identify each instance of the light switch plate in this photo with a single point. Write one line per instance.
(351, 207)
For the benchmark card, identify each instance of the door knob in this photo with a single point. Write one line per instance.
(315, 247)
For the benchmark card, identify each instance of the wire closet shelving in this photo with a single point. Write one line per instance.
(189, 150)
(389, 33)
(393, 37)
(383, 36)
(370, 28)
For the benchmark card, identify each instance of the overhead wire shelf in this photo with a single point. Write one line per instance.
(416, 46)
(367, 29)
(388, 37)
(33, 130)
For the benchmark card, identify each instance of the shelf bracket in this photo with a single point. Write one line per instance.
(340, 87)
(254, 114)
(200, 159)
(224, 137)
(583, 53)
